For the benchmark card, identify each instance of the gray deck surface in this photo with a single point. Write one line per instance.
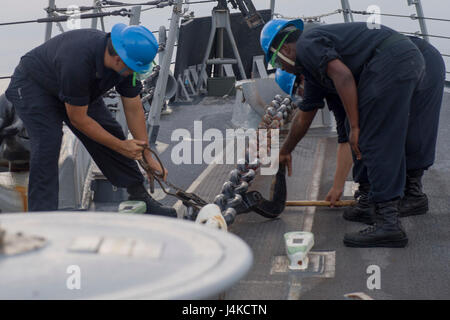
(419, 271)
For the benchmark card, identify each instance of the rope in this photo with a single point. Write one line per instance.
(5, 77)
(412, 16)
(122, 12)
(64, 10)
(199, 2)
(105, 5)
(278, 15)
(115, 4)
(422, 34)
(17, 22)
(112, 4)
(151, 8)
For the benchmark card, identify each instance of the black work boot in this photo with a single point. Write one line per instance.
(139, 193)
(386, 232)
(364, 209)
(414, 202)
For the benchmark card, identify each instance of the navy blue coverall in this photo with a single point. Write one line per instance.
(68, 68)
(313, 99)
(423, 118)
(388, 69)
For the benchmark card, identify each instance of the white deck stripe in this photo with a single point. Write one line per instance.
(295, 289)
(315, 184)
(161, 147)
(349, 188)
(177, 206)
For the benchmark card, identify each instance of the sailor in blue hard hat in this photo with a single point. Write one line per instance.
(274, 35)
(294, 86)
(63, 80)
(377, 74)
(135, 48)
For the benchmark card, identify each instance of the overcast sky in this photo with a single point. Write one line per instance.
(16, 40)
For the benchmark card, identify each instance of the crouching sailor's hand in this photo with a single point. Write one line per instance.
(132, 149)
(155, 164)
(334, 195)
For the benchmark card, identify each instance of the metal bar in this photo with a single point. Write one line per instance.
(348, 16)
(258, 67)
(420, 17)
(162, 37)
(428, 35)
(102, 22)
(221, 61)
(193, 73)
(48, 27)
(235, 49)
(228, 68)
(208, 47)
(161, 83)
(219, 50)
(94, 20)
(135, 15)
(60, 27)
(181, 91)
(272, 8)
(202, 78)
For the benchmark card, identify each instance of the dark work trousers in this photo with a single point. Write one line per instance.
(385, 93)
(43, 116)
(423, 117)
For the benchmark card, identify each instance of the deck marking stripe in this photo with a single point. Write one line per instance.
(161, 147)
(319, 160)
(204, 174)
(294, 293)
(349, 188)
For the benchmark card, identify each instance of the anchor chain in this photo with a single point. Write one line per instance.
(234, 197)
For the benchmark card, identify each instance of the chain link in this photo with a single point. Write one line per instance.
(276, 114)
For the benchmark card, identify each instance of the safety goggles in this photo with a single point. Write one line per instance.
(275, 60)
(138, 76)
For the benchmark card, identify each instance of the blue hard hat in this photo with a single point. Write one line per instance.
(271, 29)
(285, 81)
(135, 45)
